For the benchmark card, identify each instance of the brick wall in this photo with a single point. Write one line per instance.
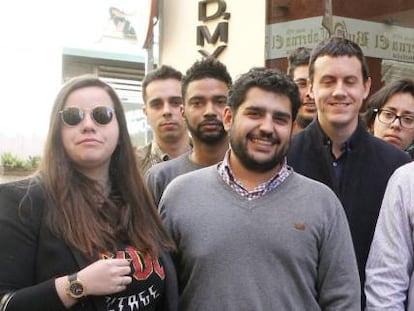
(286, 10)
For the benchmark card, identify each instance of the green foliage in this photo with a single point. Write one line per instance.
(10, 160)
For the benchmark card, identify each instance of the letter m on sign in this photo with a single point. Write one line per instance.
(221, 31)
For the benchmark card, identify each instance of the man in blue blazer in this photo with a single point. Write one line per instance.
(336, 149)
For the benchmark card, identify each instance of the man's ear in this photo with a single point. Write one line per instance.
(227, 118)
(144, 109)
(367, 87)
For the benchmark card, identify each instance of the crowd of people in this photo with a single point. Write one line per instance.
(274, 191)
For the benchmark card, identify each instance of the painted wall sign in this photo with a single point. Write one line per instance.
(219, 38)
(376, 39)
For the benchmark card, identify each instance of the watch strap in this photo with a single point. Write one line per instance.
(73, 277)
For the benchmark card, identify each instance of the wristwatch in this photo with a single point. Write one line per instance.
(75, 287)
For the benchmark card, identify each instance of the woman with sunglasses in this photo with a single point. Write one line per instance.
(390, 114)
(83, 234)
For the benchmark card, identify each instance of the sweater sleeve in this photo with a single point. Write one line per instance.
(338, 278)
(151, 179)
(20, 218)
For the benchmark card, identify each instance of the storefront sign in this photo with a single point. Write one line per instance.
(376, 39)
(220, 32)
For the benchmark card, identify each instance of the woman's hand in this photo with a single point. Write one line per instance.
(103, 277)
(106, 276)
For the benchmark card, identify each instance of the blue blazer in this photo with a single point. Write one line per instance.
(369, 164)
(31, 257)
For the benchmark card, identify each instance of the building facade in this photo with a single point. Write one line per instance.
(243, 34)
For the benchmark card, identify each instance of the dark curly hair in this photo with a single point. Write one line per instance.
(270, 80)
(206, 68)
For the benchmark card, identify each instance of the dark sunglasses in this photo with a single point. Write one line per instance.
(72, 116)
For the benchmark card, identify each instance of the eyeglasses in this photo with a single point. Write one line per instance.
(72, 116)
(388, 117)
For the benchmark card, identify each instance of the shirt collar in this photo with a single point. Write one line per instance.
(228, 176)
(346, 146)
(156, 150)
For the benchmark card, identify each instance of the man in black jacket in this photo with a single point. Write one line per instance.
(336, 149)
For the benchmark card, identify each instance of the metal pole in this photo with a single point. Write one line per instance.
(149, 65)
(327, 20)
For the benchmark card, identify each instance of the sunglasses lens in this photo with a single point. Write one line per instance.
(72, 116)
(102, 115)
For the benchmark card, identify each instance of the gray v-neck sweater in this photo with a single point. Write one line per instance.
(290, 249)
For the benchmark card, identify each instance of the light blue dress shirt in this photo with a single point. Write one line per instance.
(389, 270)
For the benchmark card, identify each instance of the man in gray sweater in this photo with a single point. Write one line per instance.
(252, 234)
(205, 88)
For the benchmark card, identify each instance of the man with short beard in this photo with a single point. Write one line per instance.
(205, 89)
(252, 234)
(298, 70)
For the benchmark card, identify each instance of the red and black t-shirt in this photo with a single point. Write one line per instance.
(147, 287)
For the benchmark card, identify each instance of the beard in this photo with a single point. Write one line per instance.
(210, 138)
(249, 162)
(303, 121)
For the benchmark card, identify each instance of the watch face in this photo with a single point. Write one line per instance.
(76, 289)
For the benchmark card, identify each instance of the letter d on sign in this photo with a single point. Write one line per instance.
(221, 10)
